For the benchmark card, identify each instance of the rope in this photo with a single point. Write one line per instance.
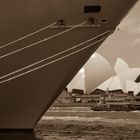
(10, 43)
(74, 47)
(42, 66)
(46, 39)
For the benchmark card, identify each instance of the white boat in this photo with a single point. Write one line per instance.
(43, 44)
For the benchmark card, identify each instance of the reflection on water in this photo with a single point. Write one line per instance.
(17, 136)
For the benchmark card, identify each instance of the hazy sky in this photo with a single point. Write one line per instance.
(125, 42)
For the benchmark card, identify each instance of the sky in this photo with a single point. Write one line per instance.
(125, 41)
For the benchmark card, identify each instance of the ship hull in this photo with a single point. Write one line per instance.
(28, 90)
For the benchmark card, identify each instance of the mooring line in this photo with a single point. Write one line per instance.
(43, 40)
(38, 62)
(42, 66)
(26, 36)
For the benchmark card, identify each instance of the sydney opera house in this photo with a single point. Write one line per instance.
(99, 74)
(99, 78)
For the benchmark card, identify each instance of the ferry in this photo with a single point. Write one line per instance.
(120, 102)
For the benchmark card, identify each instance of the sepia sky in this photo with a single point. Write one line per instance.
(125, 41)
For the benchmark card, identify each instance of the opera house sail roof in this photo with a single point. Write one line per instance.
(97, 70)
(97, 73)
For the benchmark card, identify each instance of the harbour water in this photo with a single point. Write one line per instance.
(82, 124)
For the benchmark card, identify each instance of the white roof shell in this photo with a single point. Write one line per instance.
(111, 84)
(128, 75)
(78, 82)
(97, 70)
(130, 85)
(137, 89)
(120, 66)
